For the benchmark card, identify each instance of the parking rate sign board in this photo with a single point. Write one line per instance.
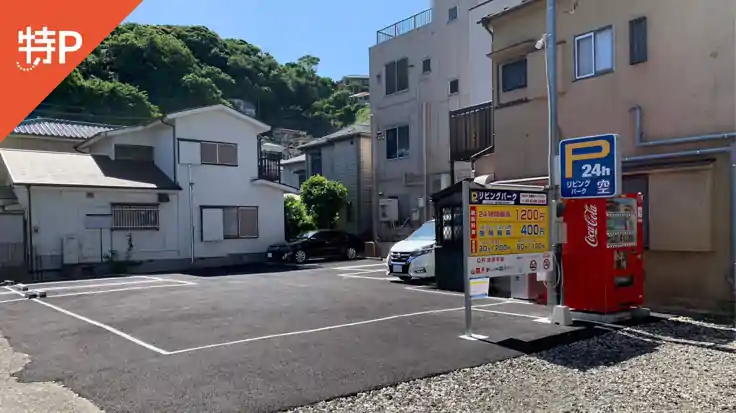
(590, 167)
(509, 232)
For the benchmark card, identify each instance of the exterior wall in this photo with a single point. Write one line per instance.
(345, 169)
(289, 173)
(216, 185)
(446, 44)
(58, 215)
(684, 89)
(480, 44)
(348, 161)
(159, 136)
(35, 143)
(365, 184)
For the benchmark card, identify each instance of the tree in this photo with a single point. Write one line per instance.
(297, 219)
(324, 200)
(141, 71)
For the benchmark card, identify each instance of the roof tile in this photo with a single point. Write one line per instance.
(61, 128)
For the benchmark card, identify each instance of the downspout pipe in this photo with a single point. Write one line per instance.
(31, 255)
(174, 146)
(639, 134)
(731, 150)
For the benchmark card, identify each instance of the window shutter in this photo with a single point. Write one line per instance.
(390, 78)
(402, 74)
(209, 152)
(248, 222)
(638, 50)
(227, 154)
(230, 222)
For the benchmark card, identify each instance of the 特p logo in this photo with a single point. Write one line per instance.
(40, 46)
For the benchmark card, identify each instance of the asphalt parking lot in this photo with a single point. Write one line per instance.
(266, 339)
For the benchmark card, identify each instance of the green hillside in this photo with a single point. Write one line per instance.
(142, 71)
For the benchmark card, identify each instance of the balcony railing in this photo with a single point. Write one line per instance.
(471, 131)
(269, 166)
(405, 26)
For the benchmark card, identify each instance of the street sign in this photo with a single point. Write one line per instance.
(590, 167)
(508, 231)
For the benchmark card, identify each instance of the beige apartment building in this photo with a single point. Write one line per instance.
(662, 75)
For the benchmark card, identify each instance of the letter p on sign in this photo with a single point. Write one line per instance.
(575, 152)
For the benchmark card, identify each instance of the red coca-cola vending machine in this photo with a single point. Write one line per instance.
(602, 261)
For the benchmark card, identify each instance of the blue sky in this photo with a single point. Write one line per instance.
(339, 32)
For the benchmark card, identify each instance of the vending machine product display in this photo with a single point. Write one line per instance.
(603, 257)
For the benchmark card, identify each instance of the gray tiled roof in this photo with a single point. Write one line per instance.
(295, 159)
(61, 128)
(352, 130)
(271, 147)
(76, 169)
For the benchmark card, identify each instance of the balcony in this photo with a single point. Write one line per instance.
(405, 26)
(471, 131)
(269, 166)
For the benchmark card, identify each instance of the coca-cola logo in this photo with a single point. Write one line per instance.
(591, 219)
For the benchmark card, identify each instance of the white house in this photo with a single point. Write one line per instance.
(188, 188)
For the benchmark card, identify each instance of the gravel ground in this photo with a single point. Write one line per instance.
(676, 365)
(34, 397)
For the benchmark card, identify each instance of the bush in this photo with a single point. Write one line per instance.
(297, 219)
(324, 199)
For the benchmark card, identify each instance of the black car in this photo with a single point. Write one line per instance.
(322, 243)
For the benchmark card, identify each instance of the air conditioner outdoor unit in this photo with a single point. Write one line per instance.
(388, 210)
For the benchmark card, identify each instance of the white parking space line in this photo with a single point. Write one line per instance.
(105, 327)
(509, 313)
(316, 330)
(83, 286)
(148, 287)
(360, 267)
(366, 277)
(169, 280)
(6, 292)
(364, 272)
(44, 284)
(14, 291)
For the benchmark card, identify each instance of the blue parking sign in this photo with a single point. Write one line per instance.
(590, 167)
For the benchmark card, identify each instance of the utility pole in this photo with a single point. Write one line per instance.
(551, 56)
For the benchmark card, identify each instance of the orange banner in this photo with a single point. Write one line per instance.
(42, 41)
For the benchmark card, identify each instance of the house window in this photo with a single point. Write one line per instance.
(594, 53)
(134, 152)
(135, 217)
(397, 76)
(513, 75)
(426, 65)
(452, 14)
(236, 222)
(216, 153)
(397, 142)
(315, 163)
(454, 86)
(638, 41)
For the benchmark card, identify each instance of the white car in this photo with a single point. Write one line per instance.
(414, 256)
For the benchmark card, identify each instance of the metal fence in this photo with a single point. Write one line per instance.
(404, 26)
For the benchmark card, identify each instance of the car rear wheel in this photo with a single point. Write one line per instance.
(300, 257)
(351, 253)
